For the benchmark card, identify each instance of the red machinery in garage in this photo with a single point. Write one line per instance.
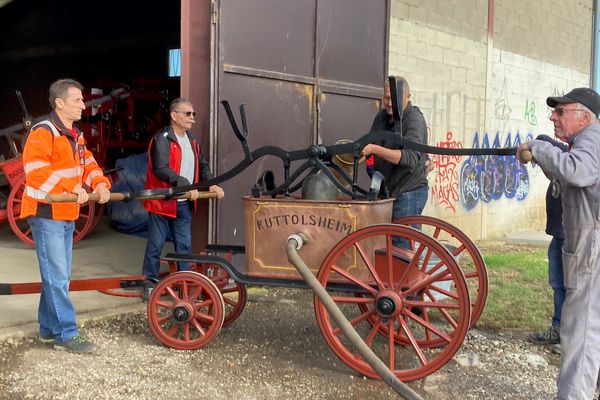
(114, 126)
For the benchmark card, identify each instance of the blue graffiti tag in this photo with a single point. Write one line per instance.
(488, 178)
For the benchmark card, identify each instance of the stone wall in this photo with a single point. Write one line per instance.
(488, 90)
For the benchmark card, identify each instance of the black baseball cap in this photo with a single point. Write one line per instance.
(586, 96)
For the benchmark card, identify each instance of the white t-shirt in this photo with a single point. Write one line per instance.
(187, 159)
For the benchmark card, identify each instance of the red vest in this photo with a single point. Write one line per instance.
(168, 208)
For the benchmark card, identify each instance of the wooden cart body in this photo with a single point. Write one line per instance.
(269, 222)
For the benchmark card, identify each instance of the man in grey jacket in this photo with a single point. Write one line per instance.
(578, 173)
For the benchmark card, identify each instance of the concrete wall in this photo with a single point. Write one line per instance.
(480, 87)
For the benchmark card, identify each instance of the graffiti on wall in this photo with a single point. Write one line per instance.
(530, 112)
(488, 178)
(502, 108)
(445, 187)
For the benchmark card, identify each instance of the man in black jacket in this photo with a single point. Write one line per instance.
(404, 170)
(174, 159)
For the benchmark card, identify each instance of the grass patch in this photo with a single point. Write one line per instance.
(519, 296)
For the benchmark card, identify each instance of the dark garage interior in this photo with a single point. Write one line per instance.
(106, 45)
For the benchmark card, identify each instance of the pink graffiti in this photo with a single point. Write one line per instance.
(445, 188)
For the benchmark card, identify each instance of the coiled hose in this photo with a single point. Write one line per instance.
(294, 243)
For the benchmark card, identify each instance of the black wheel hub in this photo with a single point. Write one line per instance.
(180, 315)
(385, 306)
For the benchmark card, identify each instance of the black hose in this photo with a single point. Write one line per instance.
(294, 243)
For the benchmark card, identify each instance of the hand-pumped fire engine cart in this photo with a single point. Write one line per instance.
(395, 313)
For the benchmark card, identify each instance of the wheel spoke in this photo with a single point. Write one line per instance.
(233, 289)
(413, 265)
(459, 250)
(412, 341)
(185, 291)
(172, 293)
(164, 318)
(207, 319)
(390, 260)
(353, 300)
(199, 327)
(355, 321)
(429, 326)
(206, 303)
(353, 279)
(426, 259)
(194, 293)
(444, 311)
(391, 344)
(369, 265)
(445, 292)
(165, 304)
(428, 281)
(173, 330)
(186, 332)
(374, 330)
(431, 304)
(230, 302)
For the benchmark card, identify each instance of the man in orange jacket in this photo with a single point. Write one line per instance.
(56, 161)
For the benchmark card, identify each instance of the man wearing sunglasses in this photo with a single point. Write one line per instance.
(174, 159)
(577, 173)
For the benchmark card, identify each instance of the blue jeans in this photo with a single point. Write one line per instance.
(54, 249)
(555, 277)
(159, 228)
(407, 204)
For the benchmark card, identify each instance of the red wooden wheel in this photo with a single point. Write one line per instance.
(98, 214)
(402, 292)
(234, 293)
(185, 310)
(21, 228)
(464, 250)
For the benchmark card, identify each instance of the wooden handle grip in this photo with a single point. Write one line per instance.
(526, 156)
(72, 197)
(94, 197)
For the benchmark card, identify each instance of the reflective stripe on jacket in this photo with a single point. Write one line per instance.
(54, 162)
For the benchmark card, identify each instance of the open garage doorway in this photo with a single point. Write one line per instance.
(106, 46)
(125, 53)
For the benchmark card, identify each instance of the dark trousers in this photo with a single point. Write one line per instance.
(555, 277)
(159, 229)
(406, 204)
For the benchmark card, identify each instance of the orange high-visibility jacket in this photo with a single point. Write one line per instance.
(54, 162)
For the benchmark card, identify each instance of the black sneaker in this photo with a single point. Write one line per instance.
(77, 344)
(556, 349)
(549, 336)
(46, 339)
(148, 288)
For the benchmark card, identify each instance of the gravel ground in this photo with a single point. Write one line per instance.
(274, 350)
